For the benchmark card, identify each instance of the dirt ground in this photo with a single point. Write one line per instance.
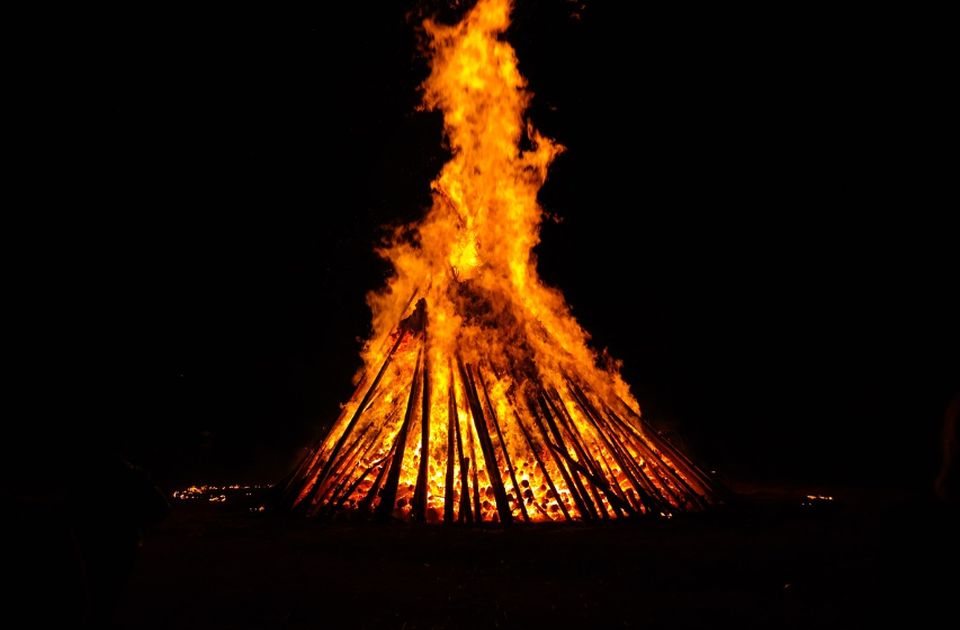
(767, 561)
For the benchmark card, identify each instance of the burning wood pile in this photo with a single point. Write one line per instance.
(480, 400)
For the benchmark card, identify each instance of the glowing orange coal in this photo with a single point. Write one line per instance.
(480, 399)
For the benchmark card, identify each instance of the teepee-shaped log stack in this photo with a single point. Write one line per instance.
(499, 447)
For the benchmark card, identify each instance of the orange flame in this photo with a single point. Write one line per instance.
(501, 374)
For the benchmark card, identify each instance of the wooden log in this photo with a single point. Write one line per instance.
(473, 461)
(706, 487)
(364, 452)
(476, 479)
(409, 301)
(653, 490)
(601, 463)
(464, 515)
(564, 420)
(353, 487)
(296, 478)
(587, 459)
(670, 481)
(321, 490)
(560, 443)
(711, 487)
(486, 444)
(448, 499)
(306, 472)
(320, 477)
(503, 446)
(419, 506)
(337, 496)
(373, 492)
(629, 468)
(597, 481)
(543, 468)
(340, 476)
(654, 470)
(532, 404)
(647, 492)
(389, 495)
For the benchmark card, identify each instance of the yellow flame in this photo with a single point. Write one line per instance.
(480, 232)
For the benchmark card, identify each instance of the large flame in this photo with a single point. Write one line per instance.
(479, 234)
(476, 372)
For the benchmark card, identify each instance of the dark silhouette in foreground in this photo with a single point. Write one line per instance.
(75, 538)
(108, 515)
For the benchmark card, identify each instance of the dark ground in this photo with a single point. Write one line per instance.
(767, 562)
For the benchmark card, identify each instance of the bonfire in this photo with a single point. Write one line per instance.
(480, 399)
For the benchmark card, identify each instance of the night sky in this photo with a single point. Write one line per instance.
(769, 257)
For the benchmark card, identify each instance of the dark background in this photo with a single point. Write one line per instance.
(750, 218)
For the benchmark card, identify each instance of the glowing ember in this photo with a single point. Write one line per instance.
(814, 499)
(480, 399)
(217, 494)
